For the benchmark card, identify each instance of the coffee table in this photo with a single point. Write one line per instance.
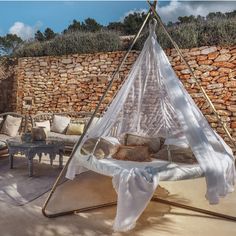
(51, 147)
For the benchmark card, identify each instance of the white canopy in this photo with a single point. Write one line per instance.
(153, 102)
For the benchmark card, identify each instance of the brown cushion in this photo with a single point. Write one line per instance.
(154, 144)
(132, 153)
(182, 155)
(75, 129)
(59, 124)
(11, 125)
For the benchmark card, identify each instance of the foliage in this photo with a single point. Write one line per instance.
(70, 43)
(196, 33)
(89, 36)
(47, 35)
(9, 43)
(89, 24)
(39, 36)
(130, 25)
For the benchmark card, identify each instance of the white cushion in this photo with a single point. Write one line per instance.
(11, 125)
(45, 124)
(60, 123)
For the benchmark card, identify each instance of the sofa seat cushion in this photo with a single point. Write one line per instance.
(4, 137)
(68, 139)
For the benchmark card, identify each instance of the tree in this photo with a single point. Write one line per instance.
(49, 34)
(231, 14)
(9, 43)
(117, 26)
(186, 19)
(39, 36)
(91, 25)
(132, 22)
(213, 15)
(75, 26)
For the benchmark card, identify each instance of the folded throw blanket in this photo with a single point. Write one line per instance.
(135, 189)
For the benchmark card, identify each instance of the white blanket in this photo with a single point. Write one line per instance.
(135, 189)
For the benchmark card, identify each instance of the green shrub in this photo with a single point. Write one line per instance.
(70, 43)
(195, 34)
(198, 33)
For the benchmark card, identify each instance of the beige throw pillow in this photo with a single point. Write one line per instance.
(75, 129)
(45, 124)
(105, 147)
(154, 144)
(11, 125)
(59, 124)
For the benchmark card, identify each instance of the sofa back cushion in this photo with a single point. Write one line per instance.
(59, 124)
(11, 125)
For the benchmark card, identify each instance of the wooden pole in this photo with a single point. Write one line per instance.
(92, 117)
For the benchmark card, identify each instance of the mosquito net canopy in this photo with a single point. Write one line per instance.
(153, 104)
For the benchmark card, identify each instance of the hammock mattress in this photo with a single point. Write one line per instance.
(166, 170)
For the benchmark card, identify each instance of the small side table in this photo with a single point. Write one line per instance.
(52, 147)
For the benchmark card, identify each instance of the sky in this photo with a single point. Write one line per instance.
(24, 18)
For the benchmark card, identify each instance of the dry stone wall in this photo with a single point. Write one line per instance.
(76, 82)
(8, 85)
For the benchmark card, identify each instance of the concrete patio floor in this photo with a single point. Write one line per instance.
(158, 219)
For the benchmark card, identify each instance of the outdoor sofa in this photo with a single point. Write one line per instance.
(62, 130)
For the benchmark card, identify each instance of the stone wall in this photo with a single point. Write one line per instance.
(69, 83)
(76, 82)
(8, 85)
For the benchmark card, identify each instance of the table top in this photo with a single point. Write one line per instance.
(18, 142)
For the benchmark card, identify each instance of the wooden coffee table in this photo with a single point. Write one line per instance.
(51, 147)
